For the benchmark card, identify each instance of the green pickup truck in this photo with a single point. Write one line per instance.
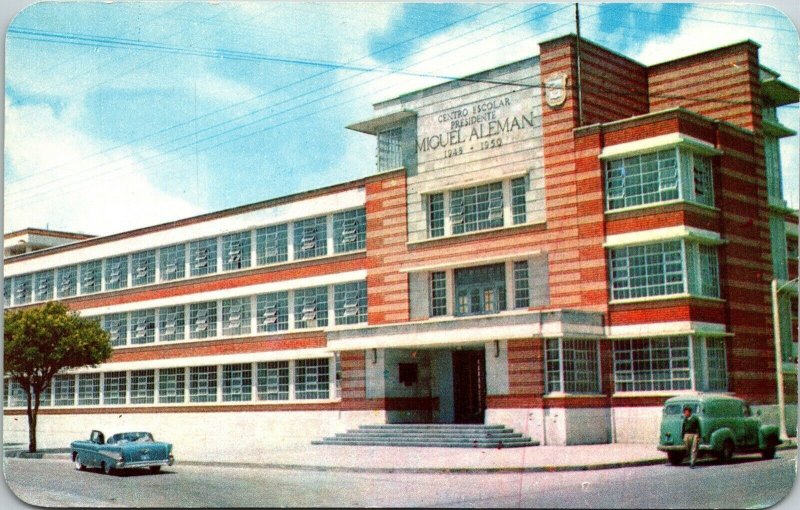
(726, 426)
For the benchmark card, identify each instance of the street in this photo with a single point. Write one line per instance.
(748, 482)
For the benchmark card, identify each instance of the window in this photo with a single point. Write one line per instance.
(717, 366)
(236, 316)
(643, 179)
(114, 388)
(772, 160)
(43, 285)
(117, 326)
(236, 382)
(311, 307)
(522, 288)
(572, 366)
(310, 238)
(143, 384)
(349, 230)
(88, 389)
(23, 289)
(67, 281)
(17, 396)
(438, 294)
(91, 276)
(652, 364)
(272, 244)
(273, 311)
(117, 272)
(171, 322)
(143, 326)
(436, 215)
(476, 208)
(480, 290)
(203, 256)
(64, 390)
(7, 291)
(703, 184)
(172, 262)
(143, 267)
(350, 302)
(203, 320)
(647, 270)
(311, 378)
(518, 200)
(236, 251)
(273, 380)
(203, 384)
(390, 152)
(407, 373)
(171, 384)
(792, 248)
(46, 398)
(709, 270)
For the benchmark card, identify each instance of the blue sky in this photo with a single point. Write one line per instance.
(123, 115)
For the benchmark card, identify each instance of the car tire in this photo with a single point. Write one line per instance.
(769, 450)
(675, 458)
(107, 469)
(726, 453)
(155, 469)
(76, 459)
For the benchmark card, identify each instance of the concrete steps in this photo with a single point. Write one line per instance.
(433, 435)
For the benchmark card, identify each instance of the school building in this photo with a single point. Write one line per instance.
(557, 245)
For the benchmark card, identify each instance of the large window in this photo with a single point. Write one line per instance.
(143, 268)
(171, 323)
(64, 390)
(312, 379)
(311, 307)
(273, 311)
(203, 384)
(236, 316)
(114, 388)
(522, 288)
(143, 383)
(659, 176)
(310, 238)
(273, 380)
(23, 289)
(349, 230)
(173, 262)
(203, 256)
(171, 385)
(43, 285)
(143, 326)
(350, 302)
(203, 320)
(236, 382)
(7, 290)
(67, 281)
(272, 244)
(436, 215)
(236, 251)
(476, 208)
(438, 293)
(390, 149)
(116, 324)
(652, 364)
(88, 389)
(91, 276)
(518, 200)
(480, 290)
(572, 366)
(117, 272)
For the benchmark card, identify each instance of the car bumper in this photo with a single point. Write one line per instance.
(682, 448)
(146, 463)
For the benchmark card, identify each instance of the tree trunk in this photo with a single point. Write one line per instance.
(33, 413)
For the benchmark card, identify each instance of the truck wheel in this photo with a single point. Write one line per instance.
(726, 453)
(77, 461)
(675, 458)
(107, 469)
(769, 450)
(155, 469)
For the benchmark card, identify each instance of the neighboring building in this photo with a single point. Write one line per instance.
(508, 263)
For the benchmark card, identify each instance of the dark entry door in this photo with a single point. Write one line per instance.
(469, 386)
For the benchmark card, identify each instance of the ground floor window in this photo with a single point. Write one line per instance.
(572, 366)
(312, 378)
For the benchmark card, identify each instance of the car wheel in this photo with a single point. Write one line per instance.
(107, 469)
(77, 461)
(727, 451)
(675, 458)
(155, 469)
(769, 450)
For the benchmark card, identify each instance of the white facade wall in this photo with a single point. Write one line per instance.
(636, 424)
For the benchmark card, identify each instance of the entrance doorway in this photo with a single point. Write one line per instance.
(469, 386)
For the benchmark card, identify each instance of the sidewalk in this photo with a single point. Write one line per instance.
(385, 459)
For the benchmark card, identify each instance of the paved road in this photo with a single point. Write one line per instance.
(747, 483)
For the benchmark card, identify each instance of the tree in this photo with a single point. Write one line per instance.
(41, 341)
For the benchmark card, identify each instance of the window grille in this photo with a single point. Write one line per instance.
(23, 286)
(171, 323)
(203, 256)
(64, 390)
(7, 291)
(236, 316)
(390, 153)
(236, 383)
(436, 215)
(642, 179)
(273, 311)
(67, 281)
(91, 277)
(116, 324)
(647, 270)
(116, 272)
(519, 200)
(114, 388)
(143, 384)
(203, 320)
(171, 385)
(203, 384)
(173, 262)
(43, 284)
(310, 238)
(236, 249)
(311, 307)
(272, 244)
(480, 290)
(350, 302)
(312, 379)
(273, 380)
(438, 294)
(143, 326)
(476, 208)
(143, 267)
(572, 366)
(88, 389)
(350, 230)
(522, 289)
(652, 364)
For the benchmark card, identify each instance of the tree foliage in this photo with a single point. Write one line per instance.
(41, 341)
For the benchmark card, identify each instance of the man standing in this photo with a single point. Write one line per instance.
(691, 434)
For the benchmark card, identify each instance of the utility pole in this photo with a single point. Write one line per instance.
(776, 331)
(578, 60)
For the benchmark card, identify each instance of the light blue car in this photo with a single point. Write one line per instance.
(121, 451)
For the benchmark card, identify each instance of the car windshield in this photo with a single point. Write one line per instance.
(131, 437)
(673, 409)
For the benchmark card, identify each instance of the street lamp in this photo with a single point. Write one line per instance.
(776, 329)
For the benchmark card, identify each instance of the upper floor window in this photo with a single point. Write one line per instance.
(310, 238)
(668, 174)
(143, 267)
(436, 215)
(88, 389)
(272, 244)
(349, 230)
(476, 208)
(67, 281)
(173, 262)
(143, 326)
(23, 289)
(572, 366)
(91, 276)
(236, 316)
(480, 290)
(273, 311)
(116, 324)
(390, 150)
(350, 302)
(311, 307)
(171, 323)
(438, 293)
(43, 283)
(236, 251)
(117, 272)
(519, 188)
(203, 256)
(203, 320)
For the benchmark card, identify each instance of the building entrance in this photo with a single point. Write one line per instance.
(469, 386)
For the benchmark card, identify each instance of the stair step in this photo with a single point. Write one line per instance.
(376, 437)
(440, 444)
